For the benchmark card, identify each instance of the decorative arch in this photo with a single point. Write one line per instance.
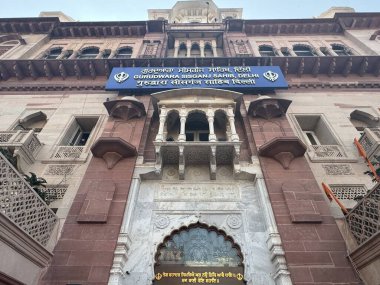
(195, 49)
(341, 49)
(35, 121)
(267, 50)
(9, 42)
(14, 37)
(88, 52)
(182, 50)
(198, 245)
(208, 51)
(124, 52)
(52, 53)
(197, 126)
(172, 125)
(220, 124)
(303, 50)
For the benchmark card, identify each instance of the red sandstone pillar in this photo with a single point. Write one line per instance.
(85, 250)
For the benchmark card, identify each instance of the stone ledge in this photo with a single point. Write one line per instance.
(112, 150)
(283, 149)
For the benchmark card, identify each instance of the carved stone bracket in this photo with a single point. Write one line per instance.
(112, 150)
(125, 108)
(283, 149)
(267, 107)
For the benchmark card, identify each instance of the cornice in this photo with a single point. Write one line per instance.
(56, 29)
(343, 66)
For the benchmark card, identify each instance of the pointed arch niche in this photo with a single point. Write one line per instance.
(200, 254)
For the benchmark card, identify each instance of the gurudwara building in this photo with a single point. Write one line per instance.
(192, 148)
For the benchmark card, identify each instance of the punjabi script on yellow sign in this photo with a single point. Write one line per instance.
(206, 277)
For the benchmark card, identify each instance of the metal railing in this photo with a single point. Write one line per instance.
(363, 220)
(21, 204)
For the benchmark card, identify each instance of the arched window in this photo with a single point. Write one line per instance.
(172, 126)
(182, 52)
(34, 121)
(7, 45)
(220, 125)
(199, 246)
(303, 50)
(208, 50)
(91, 52)
(197, 127)
(341, 50)
(53, 53)
(266, 50)
(124, 52)
(195, 50)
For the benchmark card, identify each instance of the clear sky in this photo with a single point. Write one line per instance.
(130, 10)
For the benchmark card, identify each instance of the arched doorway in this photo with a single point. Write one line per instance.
(198, 254)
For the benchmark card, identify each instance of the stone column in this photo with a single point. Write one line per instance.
(231, 119)
(160, 134)
(64, 53)
(183, 117)
(210, 118)
(113, 53)
(214, 51)
(176, 48)
(100, 54)
(202, 47)
(277, 51)
(74, 55)
(188, 46)
(319, 52)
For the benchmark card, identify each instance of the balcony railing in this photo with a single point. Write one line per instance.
(370, 140)
(21, 204)
(363, 220)
(69, 153)
(25, 145)
(198, 152)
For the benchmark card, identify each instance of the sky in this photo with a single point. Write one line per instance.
(131, 10)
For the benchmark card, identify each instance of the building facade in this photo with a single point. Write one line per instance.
(195, 173)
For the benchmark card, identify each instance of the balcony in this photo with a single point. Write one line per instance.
(364, 224)
(363, 220)
(370, 141)
(21, 204)
(24, 145)
(197, 152)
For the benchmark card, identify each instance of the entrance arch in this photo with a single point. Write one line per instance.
(197, 254)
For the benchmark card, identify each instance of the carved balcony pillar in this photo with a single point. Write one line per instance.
(183, 118)
(214, 51)
(160, 134)
(231, 120)
(210, 119)
(202, 48)
(188, 46)
(176, 49)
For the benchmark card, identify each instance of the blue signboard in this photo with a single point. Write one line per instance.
(228, 77)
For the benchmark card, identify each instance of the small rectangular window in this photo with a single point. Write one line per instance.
(79, 131)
